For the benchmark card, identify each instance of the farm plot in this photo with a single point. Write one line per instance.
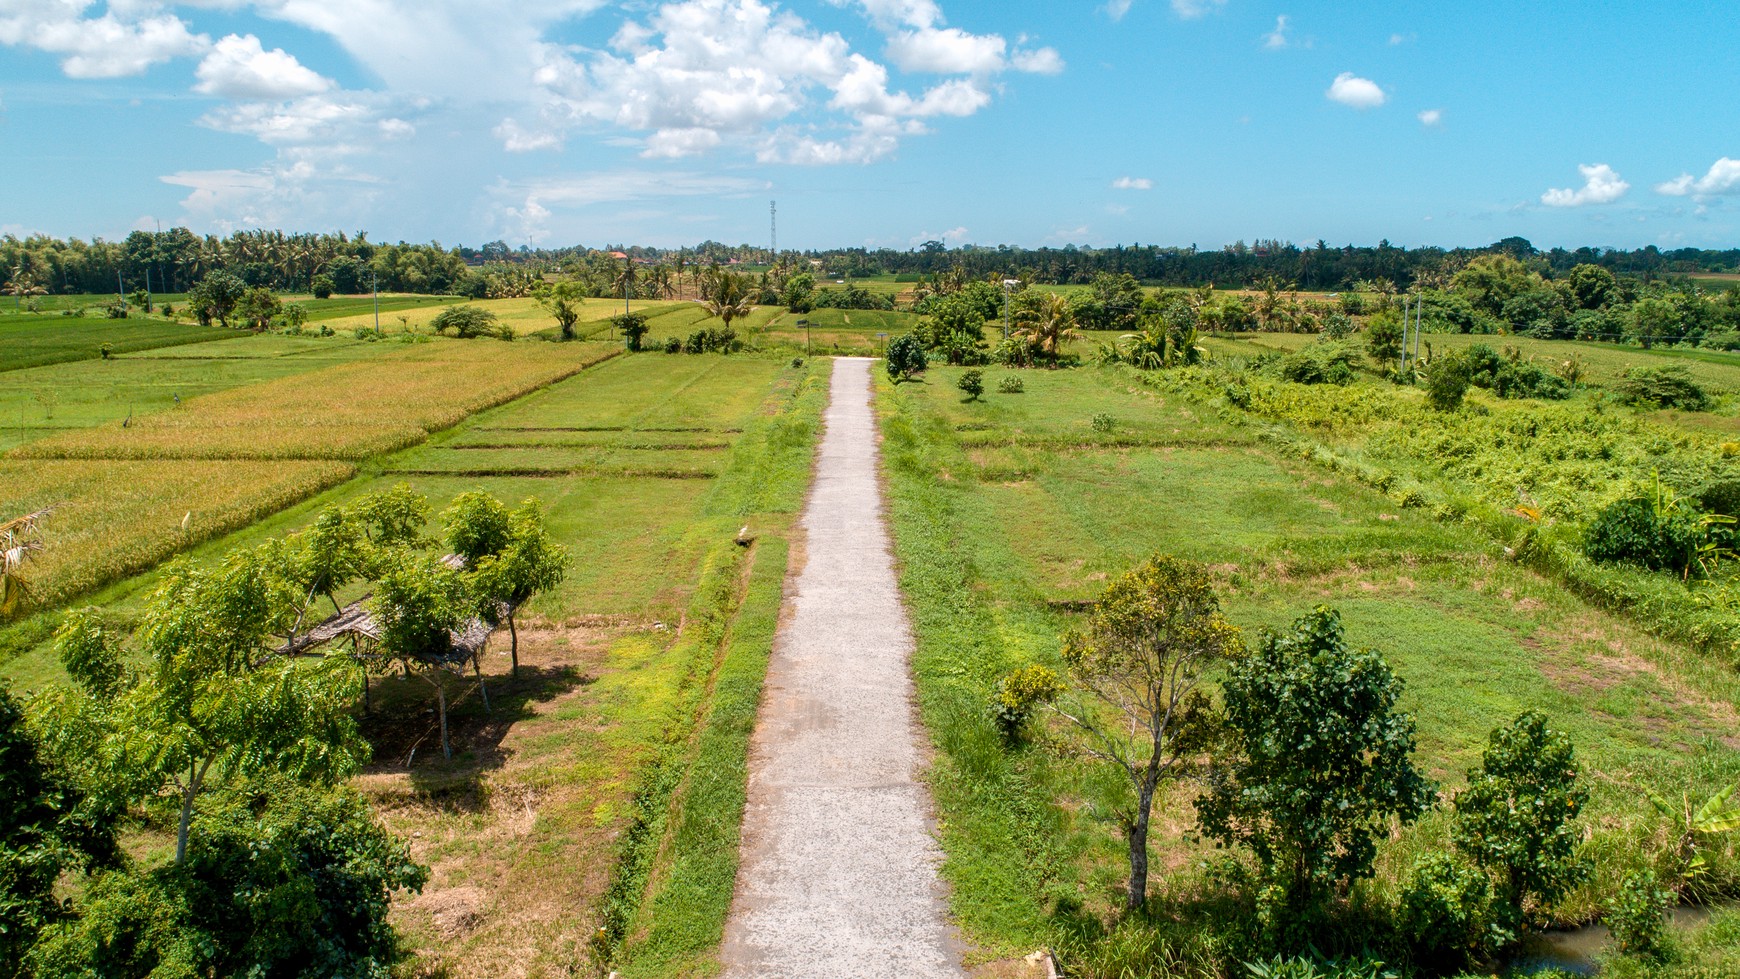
(33, 341)
(1000, 559)
(616, 760)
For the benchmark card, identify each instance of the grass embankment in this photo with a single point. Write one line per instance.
(623, 743)
(1011, 512)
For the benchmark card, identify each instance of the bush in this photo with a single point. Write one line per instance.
(116, 310)
(1637, 915)
(1659, 530)
(1444, 910)
(710, 340)
(633, 327)
(1019, 694)
(107, 350)
(322, 287)
(905, 357)
(1011, 384)
(1319, 364)
(1667, 386)
(1102, 422)
(1012, 352)
(973, 383)
(673, 345)
(1446, 383)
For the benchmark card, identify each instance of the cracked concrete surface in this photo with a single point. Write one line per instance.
(838, 875)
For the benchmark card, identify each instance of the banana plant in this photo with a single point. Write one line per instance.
(1698, 828)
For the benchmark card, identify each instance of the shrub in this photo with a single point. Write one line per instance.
(673, 345)
(116, 310)
(1012, 352)
(1319, 364)
(322, 287)
(1667, 386)
(1658, 530)
(1637, 915)
(973, 383)
(1446, 383)
(107, 350)
(710, 340)
(797, 362)
(1019, 694)
(1444, 909)
(1010, 384)
(905, 357)
(1103, 422)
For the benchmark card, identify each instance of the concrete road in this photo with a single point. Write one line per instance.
(838, 874)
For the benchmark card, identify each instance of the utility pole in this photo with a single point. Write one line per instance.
(120, 289)
(1008, 284)
(773, 229)
(375, 286)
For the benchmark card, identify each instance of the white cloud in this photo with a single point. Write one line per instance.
(1043, 61)
(238, 67)
(671, 143)
(1431, 117)
(516, 138)
(1723, 177)
(947, 51)
(1132, 183)
(1601, 185)
(1116, 9)
(117, 44)
(1398, 39)
(622, 186)
(340, 122)
(1192, 9)
(1351, 90)
(1277, 38)
(294, 190)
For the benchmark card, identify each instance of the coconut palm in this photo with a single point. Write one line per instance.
(1049, 324)
(625, 280)
(728, 295)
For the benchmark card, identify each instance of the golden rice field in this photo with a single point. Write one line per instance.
(523, 316)
(115, 518)
(347, 411)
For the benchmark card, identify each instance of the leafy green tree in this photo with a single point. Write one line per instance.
(257, 307)
(800, 291)
(1446, 382)
(562, 301)
(634, 328)
(1638, 915)
(1490, 281)
(1138, 662)
(217, 704)
(972, 383)
(331, 553)
(956, 328)
(905, 357)
(47, 827)
(467, 322)
(419, 604)
(393, 517)
(1445, 912)
(1317, 760)
(321, 286)
(280, 881)
(216, 297)
(531, 562)
(1593, 286)
(1516, 819)
(478, 525)
(1383, 338)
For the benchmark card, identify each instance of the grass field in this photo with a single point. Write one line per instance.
(608, 780)
(1010, 512)
(33, 341)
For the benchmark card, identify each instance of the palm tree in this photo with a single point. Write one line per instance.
(625, 280)
(728, 296)
(1050, 324)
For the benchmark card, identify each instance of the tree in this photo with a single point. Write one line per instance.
(216, 296)
(1317, 762)
(1138, 661)
(257, 307)
(905, 357)
(625, 279)
(531, 562)
(728, 295)
(957, 327)
(1048, 324)
(478, 526)
(1446, 382)
(419, 604)
(218, 705)
(1490, 281)
(634, 328)
(467, 322)
(1593, 286)
(972, 382)
(799, 292)
(1515, 818)
(393, 517)
(1383, 338)
(47, 826)
(563, 303)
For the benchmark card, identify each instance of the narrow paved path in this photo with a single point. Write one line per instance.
(838, 877)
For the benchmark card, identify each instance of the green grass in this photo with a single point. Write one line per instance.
(995, 559)
(33, 341)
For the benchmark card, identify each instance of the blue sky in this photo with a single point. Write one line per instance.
(876, 122)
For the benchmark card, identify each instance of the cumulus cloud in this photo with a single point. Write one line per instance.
(1116, 9)
(947, 51)
(239, 67)
(284, 192)
(1431, 117)
(1723, 177)
(1192, 9)
(1132, 183)
(1351, 90)
(1277, 38)
(1601, 185)
(339, 122)
(117, 44)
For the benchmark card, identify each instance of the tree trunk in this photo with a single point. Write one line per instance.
(514, 643)
(441, 699)
(477, 665)
(1137, 898)
(194, 777)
